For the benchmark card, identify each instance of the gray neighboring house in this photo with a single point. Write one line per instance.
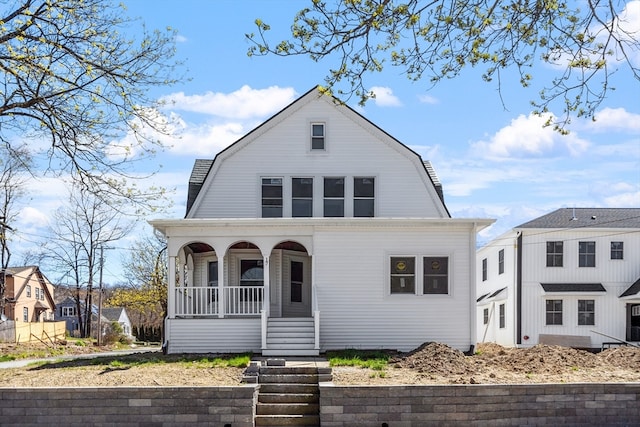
(67, 310)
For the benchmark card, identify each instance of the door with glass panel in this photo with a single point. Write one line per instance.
(296, 287)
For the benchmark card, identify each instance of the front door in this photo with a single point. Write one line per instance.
(296, 287)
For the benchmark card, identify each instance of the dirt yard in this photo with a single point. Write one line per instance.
(430, 364)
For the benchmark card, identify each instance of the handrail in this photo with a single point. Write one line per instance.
(316, 318)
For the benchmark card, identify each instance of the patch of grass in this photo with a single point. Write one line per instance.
(376, 360)
(7, 358)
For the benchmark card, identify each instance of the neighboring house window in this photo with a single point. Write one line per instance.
(502, 316)
(363, 197)
(501, 261)
(334, 197)
(403, 275)
(68, 311)
(554, 254)
(436, 275)
(484, 269)
(317, 136)
(28, 290)
(485, 316)
(37, 294)
(617, 250)
(302, 197)
(271, 197)
(586, 312)
(25, 314)
(554, 311)
(212, 273)
(586, 254)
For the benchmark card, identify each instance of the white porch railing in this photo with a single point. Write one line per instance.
(215, 301)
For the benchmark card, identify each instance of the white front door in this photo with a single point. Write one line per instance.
(296, 286)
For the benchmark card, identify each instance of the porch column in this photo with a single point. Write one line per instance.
(267, 292)
(171, 291)
(222, 259)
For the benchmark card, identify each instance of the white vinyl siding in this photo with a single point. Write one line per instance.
(403, 188)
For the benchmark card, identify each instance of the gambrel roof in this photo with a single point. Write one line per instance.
(204, 169)
(587, 218)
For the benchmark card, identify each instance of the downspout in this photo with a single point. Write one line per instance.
(518, 278)
(473, 309)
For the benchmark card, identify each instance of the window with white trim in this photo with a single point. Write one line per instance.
(484, 269)
(68, 311)
(25, 314)
(272, 197)
(586, 254)
(363, 196)
(586, 312)
(28, 291)
(485, 316)
(301, 197)
(553, 311)
(501, 261)
(436, 275)
(317, 136)
(617, 250)
(503, 318)
(334, 197)
(554, 254)
(403, 275)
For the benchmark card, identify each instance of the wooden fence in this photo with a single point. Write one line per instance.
(21, 332)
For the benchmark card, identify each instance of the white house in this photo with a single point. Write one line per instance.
(571, 277)
(317, 231)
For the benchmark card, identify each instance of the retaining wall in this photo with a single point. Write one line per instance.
(353, 406)
(481, 405)
(128, 406)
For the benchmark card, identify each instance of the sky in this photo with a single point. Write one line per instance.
(492, 155)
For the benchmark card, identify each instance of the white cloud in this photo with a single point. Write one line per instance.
(617, 119)
(384, 97)
(428, 99)
(244, 103)
(208, 139)
(525, 137)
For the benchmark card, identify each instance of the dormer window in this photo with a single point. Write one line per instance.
(317, 136)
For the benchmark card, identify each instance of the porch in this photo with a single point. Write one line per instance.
(279, 336)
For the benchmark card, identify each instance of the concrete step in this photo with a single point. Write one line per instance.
(288, 370)
(287, 409)
(288, 379)
(288, 388)
(287, 420)
(288, 397)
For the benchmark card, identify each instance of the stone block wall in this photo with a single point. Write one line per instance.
(480, 405)
(127, 406)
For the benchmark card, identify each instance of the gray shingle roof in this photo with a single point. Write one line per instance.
(198, 175)
(633, 289)
(587, 218)
(112, 313)
(573, 287)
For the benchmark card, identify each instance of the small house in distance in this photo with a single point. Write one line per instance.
(570, 277)
(29, 296)
(318, 231)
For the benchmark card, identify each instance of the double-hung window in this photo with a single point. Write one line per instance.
(484, 269)
(586, 254)
(554, 311)
(617, 250)
(501, 261)
(334, 197)
(28, 291)
(301, 197)
(25, 314)
(503, 318)
(586, 312)
(403, 275)
(272, 197)
(363, 197)
(485, 316)
(68, 311)
(554, 254)
(436, 275)
(317, 136)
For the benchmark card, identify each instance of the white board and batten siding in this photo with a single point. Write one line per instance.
(495, 281)
(353, 149)
(614, 275)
